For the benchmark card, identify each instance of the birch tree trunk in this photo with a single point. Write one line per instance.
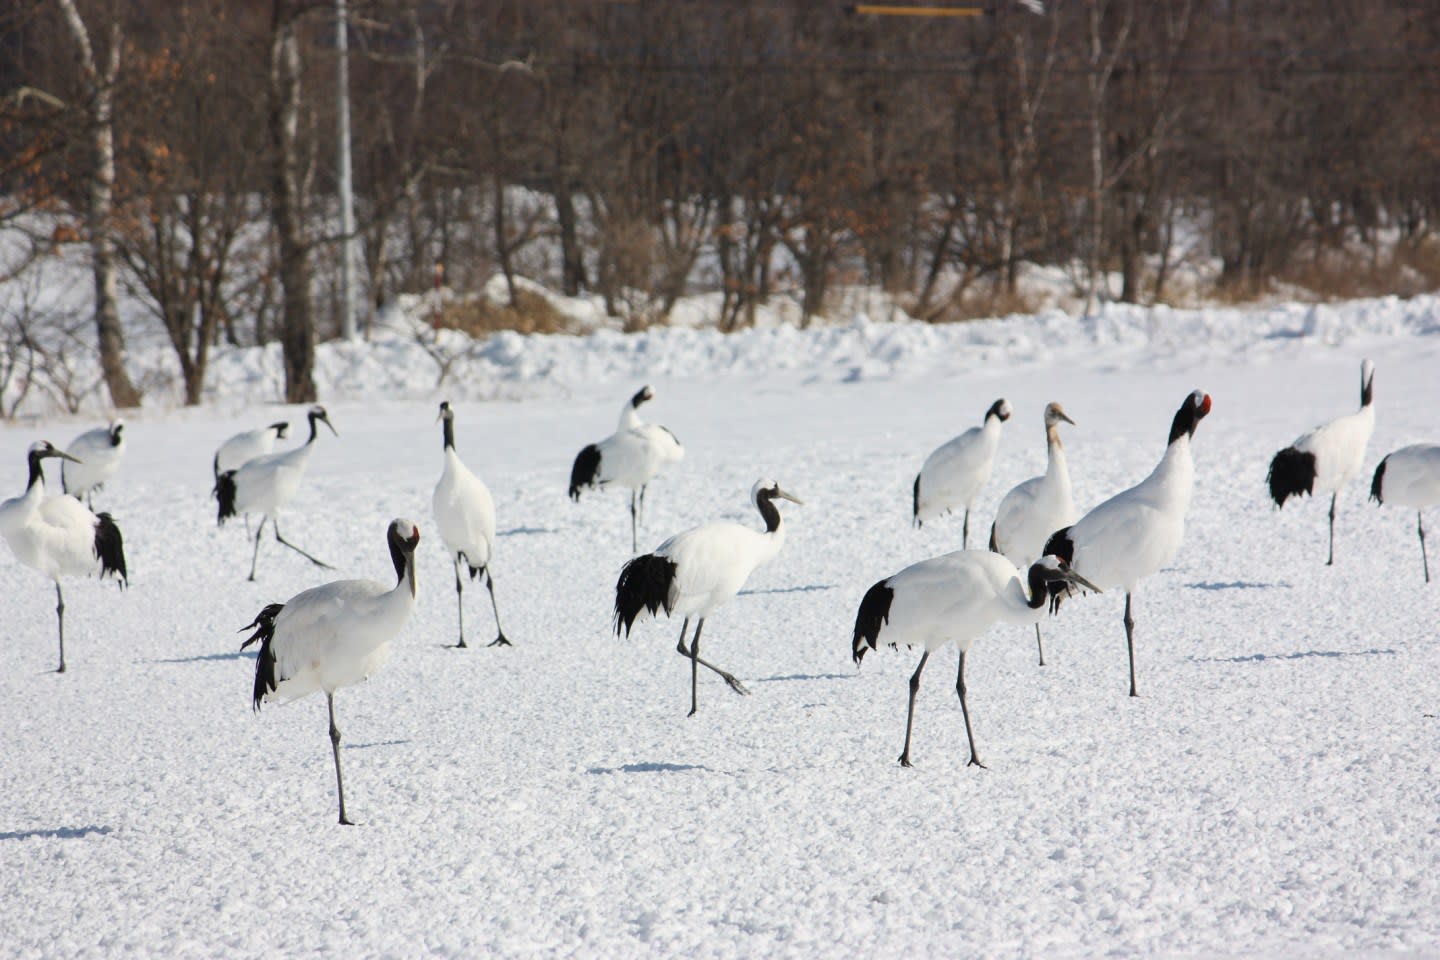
(100, 93)
(297, 323)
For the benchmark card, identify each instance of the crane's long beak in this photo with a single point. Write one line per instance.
(1063, 416)
(788, 496)
(62, 455)
(326, 421)
(1072, 577)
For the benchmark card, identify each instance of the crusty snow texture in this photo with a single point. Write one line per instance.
(1272, 792)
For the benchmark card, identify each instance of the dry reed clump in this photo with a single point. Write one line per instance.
(479, 315)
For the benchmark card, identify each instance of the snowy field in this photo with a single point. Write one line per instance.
(1272, 792)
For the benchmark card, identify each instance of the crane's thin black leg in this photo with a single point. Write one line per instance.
(910, 710)
(634, 526)
(60, 619)
(1130, 643)
(965, 531)
(459, 602)
(965, 711)
(1331, 562)
(275, 525)
(1040, 644)
(255, 554)
(1420, 527)
(499, 640)
(335, 749)
(643, 487)
(729, 678)
(695, 667)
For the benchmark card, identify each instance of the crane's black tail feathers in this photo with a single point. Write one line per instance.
(110, 549)
(874, 613)
(585, 470)
(994, 547)
(915, 502)
(264, 624)
(1377, 486)
(224, 492)
(1292, 473)
(644, 584)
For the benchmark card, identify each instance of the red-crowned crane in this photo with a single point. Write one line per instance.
(97, 456)
(465, 517)
(1036, 508)
(630, 457)
(1138, 531)
(954, 599)
(1410, 477)
(696, 572)
(265, 484)
(334, 635)
(59, 536)
(1326, 458)
(953, 474)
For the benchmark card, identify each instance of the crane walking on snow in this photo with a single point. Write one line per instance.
(465, 517)
(265, 484)
(696, 572)
(1326, 458)
(1137, 531)
(1037, 507)
(954, 599)
(59, 536)
(334, 635)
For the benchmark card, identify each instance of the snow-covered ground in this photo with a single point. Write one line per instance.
(1271, 793)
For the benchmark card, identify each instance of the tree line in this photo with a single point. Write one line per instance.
(639, 151)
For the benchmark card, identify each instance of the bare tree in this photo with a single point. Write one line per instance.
(99, 77)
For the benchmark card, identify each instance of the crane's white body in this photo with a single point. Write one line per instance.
(244, 447)
(637, 451)
(99, 453)
(1412, 476)
(955, 472)
(713, 561)
(265, 484)
(1139, 530)
(1339, 448)
(954, 599)
(1036, 508)
(464, 512)
(336, 635)
(54, 535)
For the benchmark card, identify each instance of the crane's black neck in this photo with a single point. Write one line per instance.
(402, 555)
(37, 475)
(449, 433)
(1038, 592)
(765, 501)
(996, 410)
(1367, 390)
(115, 434)
(314, 427)
(1185, 421)
(638, 399)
